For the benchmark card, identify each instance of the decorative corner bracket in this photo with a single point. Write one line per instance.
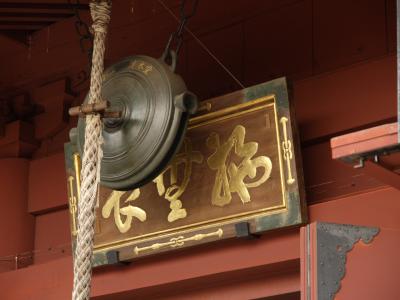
(334, 241)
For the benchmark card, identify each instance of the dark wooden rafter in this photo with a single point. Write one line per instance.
(34, 17)
(40, 5)
(23, 24)
(20, 19)
(20, 36)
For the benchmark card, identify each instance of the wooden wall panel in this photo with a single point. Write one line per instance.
(9, 47)
(55, 144)
(143, 38)
(53, 100)
(35, 65)
(278, 37)
(53, 36)
(326, 178)
(52, 236)
(16, 225)
(204, 76)
(201, 262)
(214, 15)
(278, 43)
(47, 184)
(372, 270)
(130, 12)
(260, 283)
(18, 140)
(346, 32)
(270, 254)
(374, 208)
(391, 25)
(346, 99)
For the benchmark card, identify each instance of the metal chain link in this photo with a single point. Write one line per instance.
(84, 32)
(176, 37)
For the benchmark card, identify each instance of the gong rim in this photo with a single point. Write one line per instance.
(152, 127)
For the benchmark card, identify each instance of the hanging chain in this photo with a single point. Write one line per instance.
(83, 31)
(176, 37)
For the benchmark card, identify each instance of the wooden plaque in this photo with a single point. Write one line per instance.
(237, 174)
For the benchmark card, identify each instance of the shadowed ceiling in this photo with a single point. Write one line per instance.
(19, 19)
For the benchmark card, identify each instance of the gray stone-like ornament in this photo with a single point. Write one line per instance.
(334, 241)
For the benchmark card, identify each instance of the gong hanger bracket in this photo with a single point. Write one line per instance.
(94, 108)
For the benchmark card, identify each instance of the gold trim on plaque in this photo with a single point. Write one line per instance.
(73, 208)
(179, 241)
(77, 167)
(231, 112)
(186, 229)
(204, 106)
(278, 141)
(287, 151)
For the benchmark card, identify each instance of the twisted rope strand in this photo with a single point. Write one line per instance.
(90, 174)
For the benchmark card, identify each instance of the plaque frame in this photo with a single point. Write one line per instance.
(233, 105)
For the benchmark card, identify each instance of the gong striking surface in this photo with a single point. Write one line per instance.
(155, 109)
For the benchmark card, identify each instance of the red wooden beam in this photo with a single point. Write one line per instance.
(235, 261)
(363, 148)
(383, 174)
(356, 144)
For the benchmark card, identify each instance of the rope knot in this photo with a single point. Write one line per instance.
(100, 11)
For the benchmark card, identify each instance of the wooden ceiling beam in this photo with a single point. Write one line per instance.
(26, 23)
(19, 18)
(31, 27)
(39, 6)
(36, 11)
(31, 20)
(34, 15)
(20, 36)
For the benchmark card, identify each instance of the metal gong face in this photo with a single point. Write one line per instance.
(155, 110)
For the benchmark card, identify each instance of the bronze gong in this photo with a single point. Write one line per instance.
(155, 106)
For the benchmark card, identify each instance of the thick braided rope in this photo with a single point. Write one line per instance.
(90, 174)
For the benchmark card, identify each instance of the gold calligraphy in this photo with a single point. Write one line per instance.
(173, 193)
(129, 211)
(230, 179)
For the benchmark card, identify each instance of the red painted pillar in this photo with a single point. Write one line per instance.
(16, 224)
